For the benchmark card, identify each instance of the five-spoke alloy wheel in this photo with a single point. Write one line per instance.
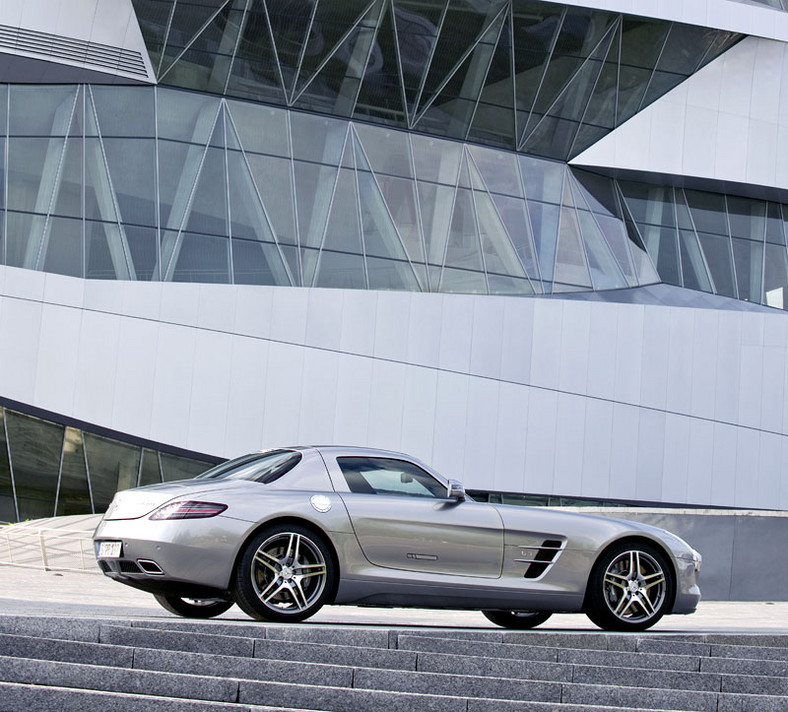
(285, 573)
(631, 587)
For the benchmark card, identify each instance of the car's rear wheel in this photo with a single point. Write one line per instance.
(631, 587)
(521, 620)
(194, 607)
(286, 573)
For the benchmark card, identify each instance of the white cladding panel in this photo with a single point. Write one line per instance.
(727, 122)
(548, 396)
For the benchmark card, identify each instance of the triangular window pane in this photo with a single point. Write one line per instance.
(500, 256)
(150, 472)
(73, 495)
(64, 248)
(132, 168)
(462, 249)
(68, 200)
(605, 273)
(399, 194)
(435, 203)
(208, 210)
(340, 270)
(290, 27)
(544, 224)
(113, 466)
(202, 258)
(247, 217)
(7, 502)
(513, 215)
(187, 21)
(258, 263)
(274, 179)
(106, 256)
(343, 233)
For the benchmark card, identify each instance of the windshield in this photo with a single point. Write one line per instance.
(262, 467)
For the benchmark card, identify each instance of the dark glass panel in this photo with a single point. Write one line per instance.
(274, 179)
(208, 212)
(68, 198)
(132, 168)
(142, 243)
(416, 24)
(600, 113)
(598, 191)
(150, 472)
(255, 73)
(615, 234)
(534, 27)
(202, 258)
(463, 26)
(124, 111)
(717, 250)
(381, 96)
(661, 83)
(186, 116)
(331, 23)
(258, 263)
(205, 65)
(34, 112)
(340, 270)
(747, 218)
(686, 46)
(774, 225)
(35, 447)
(649, 204)
(260, 129)
(662, 245)
(290, 27)
(642, 40)
(544, 223)
(107, 251)
(153, 17)
(775, 277)
(187, 19)
(515, 219)
(708, 212)
(64, 247)
(73, 496)
(7, 502)
(112, 465)
(748, 259)
(174, 467)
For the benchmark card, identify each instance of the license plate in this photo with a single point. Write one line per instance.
(109, 550)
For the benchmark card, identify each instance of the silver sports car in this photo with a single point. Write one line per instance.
(283, 532)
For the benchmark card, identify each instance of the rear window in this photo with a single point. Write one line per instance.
(263, 467)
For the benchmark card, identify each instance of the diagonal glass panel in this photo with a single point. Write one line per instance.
(255, 70)
(775, 277)
(436, 160)
(258, 263)
(555, 133)
(208, 209)
(498, 252)
(291, 27)
(694, 272)
(201, 258)
(417, 24)
(112, 465)
(388, 151)
(274, 179)
(67, 200)
(513, 214)
(343, 231)
(63, 252)
(7, 500)
(142, 243)
(571, 267)
(314, 188)
(642, 41)
(774, 225)
(333, 31)
(132, 171)
(498, 170)
(399, 195)
(494, 117)
(381, 96)
(154, 18)
(150, 472)
(259, 129)
(544, 227)
(717, 249)
(462, 28)
(451, 111)
(543, 180)
(436, 203)
(185, 21)
(615, 235)
(73, 496)
(341, 270)
(463, 249)
(35, 447)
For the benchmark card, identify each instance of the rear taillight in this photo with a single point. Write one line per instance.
(188, 510)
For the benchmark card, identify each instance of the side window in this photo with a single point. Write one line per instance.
(379, 475)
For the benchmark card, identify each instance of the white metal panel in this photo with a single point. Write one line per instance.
(629, 353)
(573, 359)
(215, 307)
(675, 473)
(704, 364)
(392, 324)
(323, 314)
(57, 357)
(540, 434)
(180, 303)
(482, 423)
(283, 401)
(569, 443)
(456, 332)
(488, 316)
(418, 412)
(246, 395)
(546, 343)
(253, 309)
(624, 453)
(318, 395)
(353, 393)
(699, 463)
(357, 328)
(508, 472)
(678, 378)
(651, 454)
(451, 404)
(723, 481)
(424, 329)
(386, 411)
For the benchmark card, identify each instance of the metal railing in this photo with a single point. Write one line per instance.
(48, 548)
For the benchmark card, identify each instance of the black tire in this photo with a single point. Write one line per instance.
(193, 607)
(520, 620)
(285, 573)
(631, 587)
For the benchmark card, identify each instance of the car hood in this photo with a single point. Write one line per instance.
(137, 502)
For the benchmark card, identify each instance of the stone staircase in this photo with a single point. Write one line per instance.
(173, 665)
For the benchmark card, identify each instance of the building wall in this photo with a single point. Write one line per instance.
(571, 397)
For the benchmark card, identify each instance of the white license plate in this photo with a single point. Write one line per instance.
(109, 550)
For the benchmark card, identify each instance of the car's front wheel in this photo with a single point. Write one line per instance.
(194, 607)
(520, 620)
(285, 573)
(631, 587)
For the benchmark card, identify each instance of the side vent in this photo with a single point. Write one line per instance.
(546, 555)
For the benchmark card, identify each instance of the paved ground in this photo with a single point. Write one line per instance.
(26, 591)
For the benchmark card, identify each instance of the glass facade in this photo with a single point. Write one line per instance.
(49, 469)
(542, 78)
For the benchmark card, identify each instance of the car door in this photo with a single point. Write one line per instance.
(403, 520)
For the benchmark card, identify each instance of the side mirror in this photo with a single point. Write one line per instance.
(455, 491)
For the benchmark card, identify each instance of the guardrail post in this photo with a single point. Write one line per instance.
(43, 550)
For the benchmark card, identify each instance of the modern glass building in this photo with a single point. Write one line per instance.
(540, 245)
